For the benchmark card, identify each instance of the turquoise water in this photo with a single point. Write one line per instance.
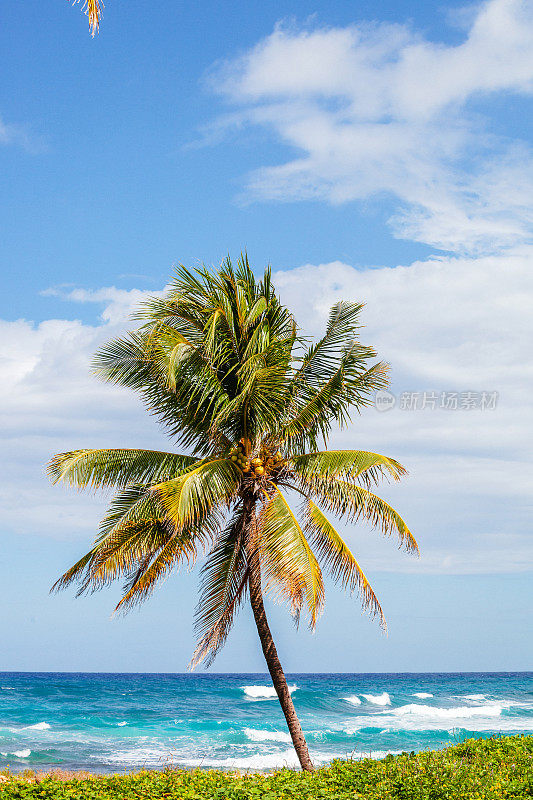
(111, 723)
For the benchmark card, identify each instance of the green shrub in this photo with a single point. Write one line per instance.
(499, 768)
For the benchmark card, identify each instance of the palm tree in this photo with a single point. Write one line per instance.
(219, 361)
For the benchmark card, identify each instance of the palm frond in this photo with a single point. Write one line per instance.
(321, 360)
(93, 9)
(353, 503)
(181, 546)
(115, 467)
(316, 410)
(212, 359)
(337, 557)
(189, 497)
(362, 465)
(223, 589)
(288, 564)
(133, 526)
(74, 573)
(127, 549)
(132, 504)
(184, 393)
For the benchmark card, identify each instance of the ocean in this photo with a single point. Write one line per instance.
(120, 722)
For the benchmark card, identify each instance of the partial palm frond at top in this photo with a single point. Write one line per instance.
(93, 9)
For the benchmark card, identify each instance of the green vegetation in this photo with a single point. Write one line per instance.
(478, 769)
(218, 360)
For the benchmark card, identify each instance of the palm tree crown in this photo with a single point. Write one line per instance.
(220, 363)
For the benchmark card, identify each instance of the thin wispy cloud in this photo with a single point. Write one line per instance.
(117, 304)
(377, 109)
(19, 135)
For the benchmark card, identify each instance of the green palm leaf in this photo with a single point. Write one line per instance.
(321, 360)
(336, 555)
(189, 497)
(125, 551)
(362, 465)
(354, 503)
(223, 589)
(115, 467)
(180, 546)
(288, 564)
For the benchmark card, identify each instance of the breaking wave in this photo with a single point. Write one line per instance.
(378, 699)
(263, 692)
(353, 699)
(460, 712)
(256, 735)
(39, 726)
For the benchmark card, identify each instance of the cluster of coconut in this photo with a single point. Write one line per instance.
(267, 461)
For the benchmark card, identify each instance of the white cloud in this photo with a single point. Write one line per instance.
(377, 108)
(443, 324)
(50, 402)
(117, 304)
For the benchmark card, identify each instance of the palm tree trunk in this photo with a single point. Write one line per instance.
(276, 670)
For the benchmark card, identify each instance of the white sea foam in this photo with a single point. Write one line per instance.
(8, 687)
(121, 724)
(256, 761)
(460, 712)
(378, 699)
(258, 735)
(423, 717)
(138, 756)
(263, 692)
(423, 695)
(473, 696)
(39, 726)
(286, 758)
(18, 753)
(353, 699)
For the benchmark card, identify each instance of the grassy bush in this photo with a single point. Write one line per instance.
(491, 769)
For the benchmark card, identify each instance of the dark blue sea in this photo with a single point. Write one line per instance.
(112, 723)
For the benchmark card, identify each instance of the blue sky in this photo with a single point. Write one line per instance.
(373, 153)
